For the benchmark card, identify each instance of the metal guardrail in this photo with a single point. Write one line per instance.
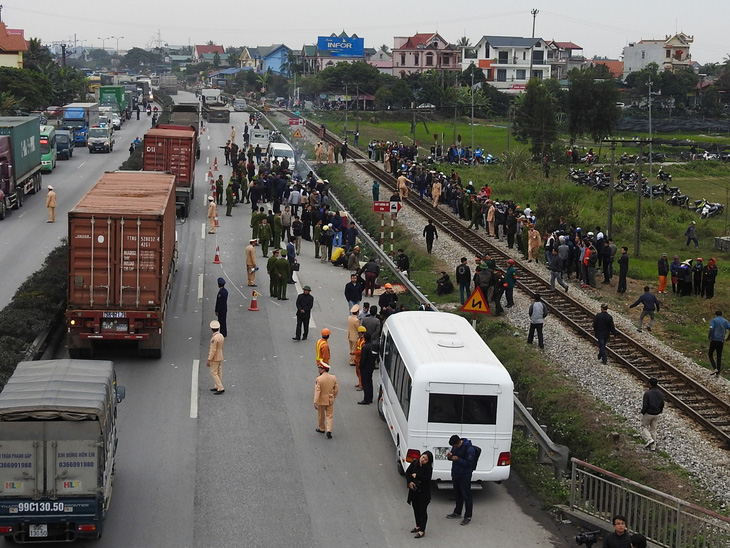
(663, 519)
(555, 452)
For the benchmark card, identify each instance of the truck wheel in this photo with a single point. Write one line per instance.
(2, 210)
(380, 405)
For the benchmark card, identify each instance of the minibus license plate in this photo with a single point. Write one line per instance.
(38, 531)
(439, 453)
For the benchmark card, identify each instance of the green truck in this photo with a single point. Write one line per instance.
(20, 160)
(114, 96)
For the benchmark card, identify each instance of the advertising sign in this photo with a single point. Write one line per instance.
(342, 47)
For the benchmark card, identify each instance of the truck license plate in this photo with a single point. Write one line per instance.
(38, 531)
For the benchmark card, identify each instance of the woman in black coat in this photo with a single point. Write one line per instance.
(418, 478)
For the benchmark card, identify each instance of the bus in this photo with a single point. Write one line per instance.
(438, 378)
(49, 153)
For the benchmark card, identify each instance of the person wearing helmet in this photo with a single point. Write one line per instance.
(323, 347)
(325, 392)
(353, 322)
(389, 296)
(361, 330)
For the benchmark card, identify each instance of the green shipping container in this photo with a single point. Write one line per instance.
(25, 137)
(113, 95)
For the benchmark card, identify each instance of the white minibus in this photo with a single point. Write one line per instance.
(438, 378)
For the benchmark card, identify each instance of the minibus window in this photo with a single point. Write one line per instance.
(459, 409)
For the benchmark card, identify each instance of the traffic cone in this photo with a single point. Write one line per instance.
(215, 164)
(217, 259)
(254, 303)
(210, 174)
(216, 219)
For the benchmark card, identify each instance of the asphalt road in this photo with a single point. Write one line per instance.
(247, 468)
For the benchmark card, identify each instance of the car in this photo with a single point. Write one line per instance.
(54, 112)
(116, 121)
(425, 106)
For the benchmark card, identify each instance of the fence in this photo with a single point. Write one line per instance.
(663, 519)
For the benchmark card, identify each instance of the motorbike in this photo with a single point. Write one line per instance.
(697, 205)
(678, 199)
(663, 176)
(149, 110)
(710, 209)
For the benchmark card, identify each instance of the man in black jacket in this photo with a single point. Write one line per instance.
(305, 302)
(651, 305)
(353, 290)
(623, 269)
(603, 327)
(651, 407)
(463, 278)
(368, 357)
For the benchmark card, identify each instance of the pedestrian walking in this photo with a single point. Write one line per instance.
(265, 237)
(533, 244)
(291, 256)
(221, 306)
(651, 305)
(353, 290)
(663, 271)
(368, 360)
(691, 234)
(555, 266)
(51, 205)
(211, 215)
(282, 271)
(603, 328)
(463, 278)
(651, 407)
(323, 347)
(719, 333)
(418, 480)
(376, 190)
(251, 267)
(325, 393)
(537, 313)
(219, 190)
(304, 305)
(429, 231)
(361, 331)
(462, 456)
(215, 358)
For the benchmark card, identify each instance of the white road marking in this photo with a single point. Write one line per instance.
(194, 390)
(202, 231)
(80, 165)
(200, 287)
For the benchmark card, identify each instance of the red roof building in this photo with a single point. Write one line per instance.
(12, 47)
(423, 52)
(199, 51)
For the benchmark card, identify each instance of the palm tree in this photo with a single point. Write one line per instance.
(263, 79)
(464, 42)
(385, 48)
(8, 103)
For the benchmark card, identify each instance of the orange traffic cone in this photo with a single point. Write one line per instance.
(217, 259)
(216, 218)
(254, 303)
(210, 174)
(215, 164)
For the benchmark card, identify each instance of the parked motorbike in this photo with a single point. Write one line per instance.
(697, 205)
(710, 209)
(677, 199)
(663, 176)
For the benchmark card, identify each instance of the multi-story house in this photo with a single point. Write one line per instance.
(274, 58)
(423, 52)
(505, 61)
(564, 57)
(670, 54)
(200, 51)
(12, 47)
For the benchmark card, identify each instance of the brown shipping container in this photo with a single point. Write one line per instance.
(172, 151)
(122, 243)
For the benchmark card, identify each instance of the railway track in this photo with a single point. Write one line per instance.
(699, 403)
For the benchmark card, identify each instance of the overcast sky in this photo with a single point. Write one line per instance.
(601, 28)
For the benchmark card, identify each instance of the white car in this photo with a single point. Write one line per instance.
(426, 106)
(116, 121)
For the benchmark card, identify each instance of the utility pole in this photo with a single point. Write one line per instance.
(532, 44)
(639, 185)
(472, 107)
(609, 221)
(1, 13)
(63, 55)
(345, 111)
(357, 108)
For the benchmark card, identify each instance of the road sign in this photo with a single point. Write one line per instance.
(297, 134)
(302, 122)
(476, 303)
(395, 207)
(381, 207)
(293, 121)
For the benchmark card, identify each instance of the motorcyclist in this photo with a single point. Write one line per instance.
(149, 110)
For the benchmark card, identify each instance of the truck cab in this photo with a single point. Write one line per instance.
(100, 139)
(65, 144)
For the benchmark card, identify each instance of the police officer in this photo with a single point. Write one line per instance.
(221, 306)
(273, 279)
(264, 236)
(215, 358)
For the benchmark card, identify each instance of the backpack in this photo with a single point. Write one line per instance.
(477, 454)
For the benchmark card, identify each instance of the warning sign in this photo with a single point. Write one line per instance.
(476, 303)
(297, 134)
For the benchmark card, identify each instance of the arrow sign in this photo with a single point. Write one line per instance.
(293, 121)
(476, 303)
(381, 207)
(395, 207)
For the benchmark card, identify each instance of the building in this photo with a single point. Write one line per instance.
(672, 54)
(423, 52)
(12, 47)
(333, 49)
(382, 60)
(274, 58)
(245, 60)
(505, 61)
(200, 51)
(615, 67)
(564, 57)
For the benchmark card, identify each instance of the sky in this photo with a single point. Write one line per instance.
(602, 29)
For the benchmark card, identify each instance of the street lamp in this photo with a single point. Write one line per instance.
(117, 38)
(103, 41)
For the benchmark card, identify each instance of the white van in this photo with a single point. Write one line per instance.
(259, 137)
(239, 105)
(280, 151)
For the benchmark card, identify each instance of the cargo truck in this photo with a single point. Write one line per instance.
(115, 97)
(122, 258)
(79, 117)
(168, 84)
(65, 144)
(100, 139)
(184, 114)
(58, 443)
(20, 160)
(171, 149)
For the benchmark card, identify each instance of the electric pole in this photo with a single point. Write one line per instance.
(532, 44)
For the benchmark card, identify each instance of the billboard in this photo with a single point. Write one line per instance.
(342, 47)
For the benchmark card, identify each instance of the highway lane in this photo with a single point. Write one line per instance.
(27, 238)
(264, 474)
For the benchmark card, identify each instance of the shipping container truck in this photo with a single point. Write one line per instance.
(79, 117)
(114, 96)
(219, 114)
(122, 259)
(184, 114)
(58, 443)
(171, 149)
(20, 160)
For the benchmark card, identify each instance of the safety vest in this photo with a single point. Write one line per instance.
(323, 351)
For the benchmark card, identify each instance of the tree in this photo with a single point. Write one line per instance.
(33, 89)
(9, 103)
(216, 60)
(535, 121)
(385, 48)
(591, 104)
(137, 58)
(465, 77)
(37, 55)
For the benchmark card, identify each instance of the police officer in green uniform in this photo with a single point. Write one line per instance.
(219, 190)
(276, 229)
(264, 235)
(229, 199)
(316, 233)
(271, 269)
(282, 273)
(256, 221)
